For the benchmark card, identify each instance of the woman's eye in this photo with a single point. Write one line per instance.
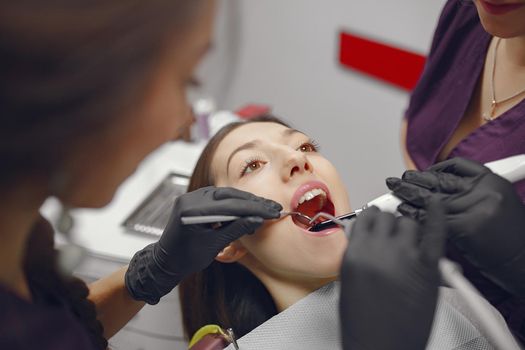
(307, 147)
(251, 166)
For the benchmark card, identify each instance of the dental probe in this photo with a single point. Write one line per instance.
(511, 168)
(329, 223)
(213, 219)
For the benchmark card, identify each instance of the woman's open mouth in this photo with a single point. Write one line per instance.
(310, 199)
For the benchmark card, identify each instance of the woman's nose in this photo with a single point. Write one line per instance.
(296, 163)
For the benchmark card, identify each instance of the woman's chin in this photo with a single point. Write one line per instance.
(321, 234)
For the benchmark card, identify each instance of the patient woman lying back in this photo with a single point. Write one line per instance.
(262, 274)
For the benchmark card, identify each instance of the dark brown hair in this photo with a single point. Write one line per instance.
(70, 69)
(228, 295)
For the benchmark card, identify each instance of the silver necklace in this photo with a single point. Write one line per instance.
(489, 115)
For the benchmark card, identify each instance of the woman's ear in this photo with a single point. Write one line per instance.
(232, 253)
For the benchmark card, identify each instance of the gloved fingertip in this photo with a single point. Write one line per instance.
(276, 214)
(409, 174)
(393, 183)
(402, 208)
(270, 210)
(274, 205)
(407, 210)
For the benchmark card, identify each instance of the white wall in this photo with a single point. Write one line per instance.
(285, 54)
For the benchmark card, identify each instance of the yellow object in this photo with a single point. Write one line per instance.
(205, 330)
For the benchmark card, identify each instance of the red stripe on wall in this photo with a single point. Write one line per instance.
(396, 66)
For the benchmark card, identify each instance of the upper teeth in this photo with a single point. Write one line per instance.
(311, 194)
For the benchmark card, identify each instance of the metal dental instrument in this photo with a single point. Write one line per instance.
(344, 221)
(212, 219)
(207, 219)
(304, 217)
(330, 222)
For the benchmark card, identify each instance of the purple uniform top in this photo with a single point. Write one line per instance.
(437, 105)
(47, 322)
(42, 325)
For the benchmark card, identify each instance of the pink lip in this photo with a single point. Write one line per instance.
(499, 9)
(298, 194)
(322, 233)
(305, 188)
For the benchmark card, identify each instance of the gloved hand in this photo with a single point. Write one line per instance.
(390, 280)
(485, 216)
(184, 249)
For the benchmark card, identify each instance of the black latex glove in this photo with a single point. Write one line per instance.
(390, 280)
(485, 216)
(184, 249)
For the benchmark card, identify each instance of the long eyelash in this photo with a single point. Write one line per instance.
(247, 163)
(316, 144)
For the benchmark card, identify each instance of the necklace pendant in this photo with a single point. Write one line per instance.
(490, 116)
(493, 106)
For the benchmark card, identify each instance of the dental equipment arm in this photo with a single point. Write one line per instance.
(497, 334)
(511, 169)
(184, 249)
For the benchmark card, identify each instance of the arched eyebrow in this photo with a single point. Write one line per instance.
(247, 145)
(252, 144)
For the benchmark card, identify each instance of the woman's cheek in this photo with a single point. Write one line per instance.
(262, 184)
(264, 240)
(257, 238)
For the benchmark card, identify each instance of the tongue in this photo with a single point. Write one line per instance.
(312, 206)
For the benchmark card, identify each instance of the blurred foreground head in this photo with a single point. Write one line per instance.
(88, 88)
